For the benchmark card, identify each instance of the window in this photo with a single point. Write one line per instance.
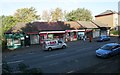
(17, 41)
(9, 42)
(59, 41)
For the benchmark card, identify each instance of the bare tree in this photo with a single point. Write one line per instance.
(57, 14)
(46, 15)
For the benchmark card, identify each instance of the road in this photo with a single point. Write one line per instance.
(78, 57)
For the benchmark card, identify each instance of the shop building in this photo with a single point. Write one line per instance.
(36, 32)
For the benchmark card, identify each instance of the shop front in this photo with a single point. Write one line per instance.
(59, 35)
(15, 40)
(73, 35)
(33, 38)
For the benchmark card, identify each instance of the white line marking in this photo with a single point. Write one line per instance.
(70, 72)
(15, 62)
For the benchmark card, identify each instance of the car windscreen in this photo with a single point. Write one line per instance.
(107, 47)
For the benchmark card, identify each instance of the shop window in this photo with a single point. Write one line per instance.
(34, 39)
(17, 41)
(50, 36)
(9, 42)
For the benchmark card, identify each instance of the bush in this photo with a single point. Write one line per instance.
(115, 32)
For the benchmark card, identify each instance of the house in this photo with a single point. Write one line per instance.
(108, 17)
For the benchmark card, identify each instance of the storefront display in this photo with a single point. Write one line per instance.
(34, 39)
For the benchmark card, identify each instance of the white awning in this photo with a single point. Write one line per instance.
(53, 32)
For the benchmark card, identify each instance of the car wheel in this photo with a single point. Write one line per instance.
(63, 46)
(50, 49)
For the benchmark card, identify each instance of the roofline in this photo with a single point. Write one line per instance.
(105, 14)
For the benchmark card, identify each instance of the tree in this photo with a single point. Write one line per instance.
(46, 15)
(26, 15)
(80, 14)
(57, 14)
(8, 22)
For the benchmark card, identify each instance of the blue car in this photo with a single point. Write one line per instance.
(103, 38)
(108, 50)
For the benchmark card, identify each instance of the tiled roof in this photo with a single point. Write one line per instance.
(87, 24)
(17, 28)
(51, 26)
(38, 26)
(99, 24)
(73, 24)
(106, 13)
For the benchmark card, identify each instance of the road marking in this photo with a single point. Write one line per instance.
(12, 62)
(55, 54)
(70, 72)
(15, 62)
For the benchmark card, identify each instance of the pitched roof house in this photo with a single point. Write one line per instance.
(99, 24)
(108, 17)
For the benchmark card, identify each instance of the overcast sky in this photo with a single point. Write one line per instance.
(8, 7)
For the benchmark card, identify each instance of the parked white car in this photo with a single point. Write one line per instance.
(54, 44)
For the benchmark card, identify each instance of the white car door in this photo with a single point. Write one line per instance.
(59, 44)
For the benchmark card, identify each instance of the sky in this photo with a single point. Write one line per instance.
(9, 7)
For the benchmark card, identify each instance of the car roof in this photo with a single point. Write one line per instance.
(112, 44)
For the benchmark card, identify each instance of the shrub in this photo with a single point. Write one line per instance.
(115, 32)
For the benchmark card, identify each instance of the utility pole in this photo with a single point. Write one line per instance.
(119, 22)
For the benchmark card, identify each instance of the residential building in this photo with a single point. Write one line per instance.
(108, 17)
